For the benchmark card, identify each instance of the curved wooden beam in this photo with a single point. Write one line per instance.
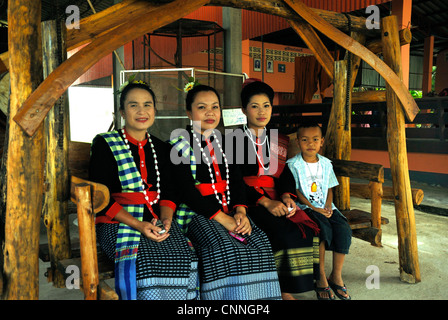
(409, 105)
(104, 21)
(34, 110)
(315, 44)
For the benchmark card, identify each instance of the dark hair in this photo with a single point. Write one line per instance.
(135, 85)
(254, 88)
(191, 95)
(311, 124)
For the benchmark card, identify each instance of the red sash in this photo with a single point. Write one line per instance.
(135, 198)
(265, 182)
(300, 218)
(278, 153)
(206, 190)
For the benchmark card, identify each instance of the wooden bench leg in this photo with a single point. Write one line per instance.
(87, 237)
(376, 192)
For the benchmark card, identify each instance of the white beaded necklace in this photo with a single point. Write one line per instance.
(266, 140)
(126, 141)
(210, 169)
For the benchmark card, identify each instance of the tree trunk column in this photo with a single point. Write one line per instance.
(57, 129)
(396, 140)
(25, 156)
(338, 136)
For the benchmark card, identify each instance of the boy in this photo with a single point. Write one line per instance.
(315, 179)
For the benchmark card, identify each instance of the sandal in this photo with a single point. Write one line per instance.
(321, 290)
(336, 287)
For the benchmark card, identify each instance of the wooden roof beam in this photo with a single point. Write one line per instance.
(278, 8)
(409, 105)
(97, 24)
(315, 44)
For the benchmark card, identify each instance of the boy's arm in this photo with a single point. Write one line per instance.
(329, 201)
(303, 200)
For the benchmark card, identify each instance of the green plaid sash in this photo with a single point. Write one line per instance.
(127, 238)
(183, 213)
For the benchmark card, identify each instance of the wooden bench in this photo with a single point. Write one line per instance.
(365, 225)
(89, 198)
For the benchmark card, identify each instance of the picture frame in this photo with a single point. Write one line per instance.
(270, 66)
(281, 68)
(257, 64)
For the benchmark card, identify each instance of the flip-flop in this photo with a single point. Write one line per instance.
(336, 287)
(326, 289)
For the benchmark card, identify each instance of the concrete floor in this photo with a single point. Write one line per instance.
(432, 238)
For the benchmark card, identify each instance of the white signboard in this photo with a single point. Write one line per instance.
(233, 117)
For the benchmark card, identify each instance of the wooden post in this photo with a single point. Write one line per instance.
(396, 140)
(55, 208)
(25, 156)
(376, 194)
(87, 236)
(428, 57)
(338, 136)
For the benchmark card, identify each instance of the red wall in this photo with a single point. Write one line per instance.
(254, 24)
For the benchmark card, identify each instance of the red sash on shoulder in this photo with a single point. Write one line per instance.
(279, 153)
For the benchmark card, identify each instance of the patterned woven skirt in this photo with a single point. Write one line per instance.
(230, 269)
(166, 270)
(296, 256)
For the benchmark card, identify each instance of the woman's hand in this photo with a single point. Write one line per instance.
(239, 223)
(290, 204)
(276, 208)
(150, 231)
(242, 222)
(226, 221)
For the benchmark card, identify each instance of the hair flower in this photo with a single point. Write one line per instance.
(189, 86)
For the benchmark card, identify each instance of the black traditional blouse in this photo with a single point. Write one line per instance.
(103, 169)
(208, 205)
(245, 155)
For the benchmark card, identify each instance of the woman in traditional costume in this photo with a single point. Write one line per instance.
(236, 261)
(152, 260)
(270, 189)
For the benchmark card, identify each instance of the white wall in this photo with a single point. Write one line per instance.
(91, 112)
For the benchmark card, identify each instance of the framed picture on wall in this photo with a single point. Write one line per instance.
(281, 68)
(270, 66)
(257, 64)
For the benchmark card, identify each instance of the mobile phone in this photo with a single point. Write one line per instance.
(238, 237)
(160, 225)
